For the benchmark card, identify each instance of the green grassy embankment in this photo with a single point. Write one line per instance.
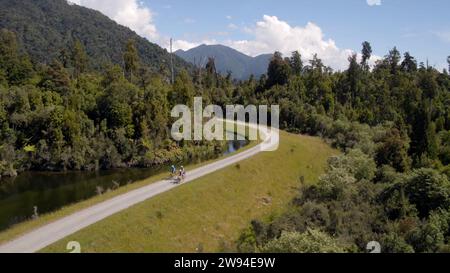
(208, 214)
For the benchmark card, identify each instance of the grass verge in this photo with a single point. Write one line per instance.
(208, 214)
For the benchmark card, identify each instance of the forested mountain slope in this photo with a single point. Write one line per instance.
(47, 27)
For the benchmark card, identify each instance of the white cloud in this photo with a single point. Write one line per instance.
(272, 34)
(130, 13)
(229, 17)
(183, 45)
(374, 2)
(232, 26)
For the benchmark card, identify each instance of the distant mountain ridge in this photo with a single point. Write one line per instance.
(44, 27)
(228, 59)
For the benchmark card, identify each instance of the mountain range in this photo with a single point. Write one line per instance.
(45, 27)
(227, 60)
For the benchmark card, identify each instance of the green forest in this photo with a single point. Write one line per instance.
(392, 122)
(65, 116)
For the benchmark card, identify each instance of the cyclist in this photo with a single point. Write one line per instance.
(182, 173)
(173, 170)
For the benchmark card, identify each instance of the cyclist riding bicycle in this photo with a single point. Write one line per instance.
(173, 170)
(182, 173)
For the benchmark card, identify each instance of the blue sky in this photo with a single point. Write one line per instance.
(332, 28)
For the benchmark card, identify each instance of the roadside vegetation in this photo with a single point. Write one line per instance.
(356, 202)
(391, 185)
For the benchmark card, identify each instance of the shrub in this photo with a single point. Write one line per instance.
(356, 163)
(428, 190)
(311, 241)
(394, 243)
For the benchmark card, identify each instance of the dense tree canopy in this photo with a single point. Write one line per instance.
(64, 116)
